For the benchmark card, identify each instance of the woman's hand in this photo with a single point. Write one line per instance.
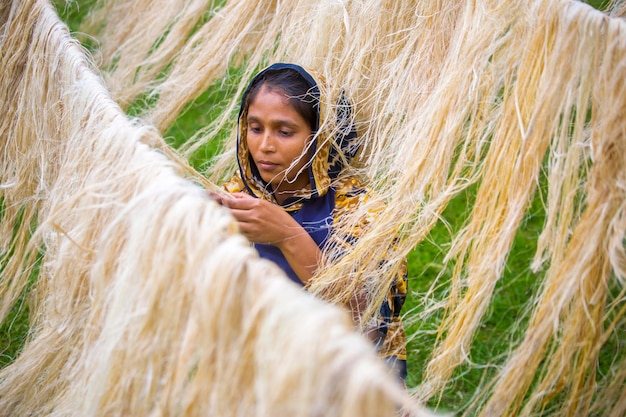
(259, 220)
(263, 222)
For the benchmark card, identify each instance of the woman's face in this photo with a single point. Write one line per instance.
(277, 136)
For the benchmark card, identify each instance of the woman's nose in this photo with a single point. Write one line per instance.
(267, 143)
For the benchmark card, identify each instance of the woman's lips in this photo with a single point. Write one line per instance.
(266, 165)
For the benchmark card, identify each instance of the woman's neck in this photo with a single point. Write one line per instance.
(283, 195)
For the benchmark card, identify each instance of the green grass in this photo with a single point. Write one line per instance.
(13, 332)
(501, 328)
(505, 319)
(15, 328)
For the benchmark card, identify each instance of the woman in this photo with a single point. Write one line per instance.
(291, 187)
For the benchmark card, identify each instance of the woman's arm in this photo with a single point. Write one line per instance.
(263, 222)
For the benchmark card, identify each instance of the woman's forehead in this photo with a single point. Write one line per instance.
(274, 106)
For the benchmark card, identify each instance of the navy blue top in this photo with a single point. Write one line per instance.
(316, 218)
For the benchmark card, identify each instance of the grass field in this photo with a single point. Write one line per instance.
(501, 327)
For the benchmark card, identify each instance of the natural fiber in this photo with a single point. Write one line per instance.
(511, 103)
(147, 301)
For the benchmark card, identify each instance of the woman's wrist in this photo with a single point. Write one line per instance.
(301, 251)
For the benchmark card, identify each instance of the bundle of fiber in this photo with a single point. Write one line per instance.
(511, 103)
(146, 301)
(617, 8)
(453, 96)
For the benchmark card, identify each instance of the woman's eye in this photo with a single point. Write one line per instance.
(285, 133)
(254, 129)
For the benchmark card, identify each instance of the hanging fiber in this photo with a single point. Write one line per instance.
(509, 103)
(146, 300)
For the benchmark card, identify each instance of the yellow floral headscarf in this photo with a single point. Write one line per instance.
(328, 153)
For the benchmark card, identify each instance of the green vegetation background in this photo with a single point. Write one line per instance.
(500, 329)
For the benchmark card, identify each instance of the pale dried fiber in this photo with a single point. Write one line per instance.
(156, 44)
(464, 94)
(494, 97)
(147, 301)
(617, 8)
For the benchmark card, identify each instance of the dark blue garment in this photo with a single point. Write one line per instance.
(316, 217)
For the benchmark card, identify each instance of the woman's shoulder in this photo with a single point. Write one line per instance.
(354, 187)
(235, 185)
(352, 192)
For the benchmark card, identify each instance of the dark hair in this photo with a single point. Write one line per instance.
(295, 87)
